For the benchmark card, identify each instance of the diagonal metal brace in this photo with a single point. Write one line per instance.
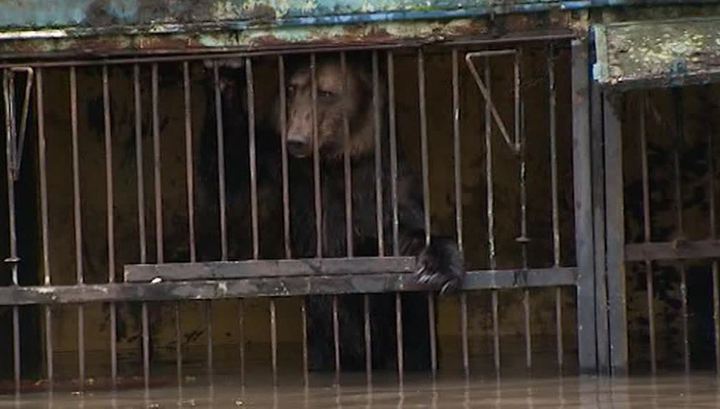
(15, 138)
(514, 143)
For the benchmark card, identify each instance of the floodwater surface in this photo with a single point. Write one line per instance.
(696, 391)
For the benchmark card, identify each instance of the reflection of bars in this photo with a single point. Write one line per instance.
(270, 278)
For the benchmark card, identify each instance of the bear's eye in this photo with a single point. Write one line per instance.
(325, 94)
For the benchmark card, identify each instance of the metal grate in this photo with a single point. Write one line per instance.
(529, 240)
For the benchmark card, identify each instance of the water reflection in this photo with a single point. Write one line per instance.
(581, 392)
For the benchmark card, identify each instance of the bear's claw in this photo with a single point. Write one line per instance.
(440, 265)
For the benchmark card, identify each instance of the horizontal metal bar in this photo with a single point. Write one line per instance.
(674, 250)
(267, 268)
(275, 287)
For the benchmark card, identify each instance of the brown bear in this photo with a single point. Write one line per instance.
(350, 99)
(338, 97)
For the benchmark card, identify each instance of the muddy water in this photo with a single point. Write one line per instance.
(697, 391)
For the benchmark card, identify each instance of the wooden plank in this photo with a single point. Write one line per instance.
(274, 287)
(268, 268)
(675, 250)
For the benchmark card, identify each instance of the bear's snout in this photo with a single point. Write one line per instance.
(298, 147)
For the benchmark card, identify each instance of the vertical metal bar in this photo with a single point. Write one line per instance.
(336, 336)
(78, 223)
(582, 184)
(10, 149)
(178, 345)
(679, 141)
(713, 235)
(347, 165)
(394, 199)
(47, 275)
(241, 324)
(316, 161)
(187, 92)
(110, 219)
(368, 338)
(615, 235)
(399, 337)
(393, 152)
(253, 167)
(303, 313)
(647, 232)
(378, 156)
(221, 162)
(157, 167)
(523, 239)
(273, 339)
(141, 214)
(283, 150)
(426, 197)
(208, 322)
(424, 143)
(457, 158)
(139, 164)
(146, 345)
(552, 104)
(491, 212)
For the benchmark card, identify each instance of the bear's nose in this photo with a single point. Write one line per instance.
(298, 149)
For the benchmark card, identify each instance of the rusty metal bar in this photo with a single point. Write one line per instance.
(680, 135)
(110, 218)
(241, 330)
(433, 334)
(139, 164)
(47, 273)
(283, 150)
(399, 338)
(484, 87)
(647, 233)
(268, 268)
(336, 337)
(269, 287)
(221, 162)
(209, 329)
(157, 167)
(199, 55)
(393, 152)
(378, 156)
(424, 143)
(368, 339)
(316, 161)
(491, 210)
(523, 240)
(77, 223)
(187, 94)
(303, 313)
(13, 260)
(457, 168)
(552, 106)
(250, 82)
(146, 344)
(273, 339)
(347, 164)
(178, 345)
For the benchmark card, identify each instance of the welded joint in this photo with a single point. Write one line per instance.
(15, 138)
(514, 142)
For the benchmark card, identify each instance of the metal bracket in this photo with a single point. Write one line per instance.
(15, 139)
(514, 143)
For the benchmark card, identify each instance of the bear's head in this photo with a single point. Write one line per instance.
(344, 107)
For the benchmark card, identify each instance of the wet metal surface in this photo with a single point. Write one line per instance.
(698, 391)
